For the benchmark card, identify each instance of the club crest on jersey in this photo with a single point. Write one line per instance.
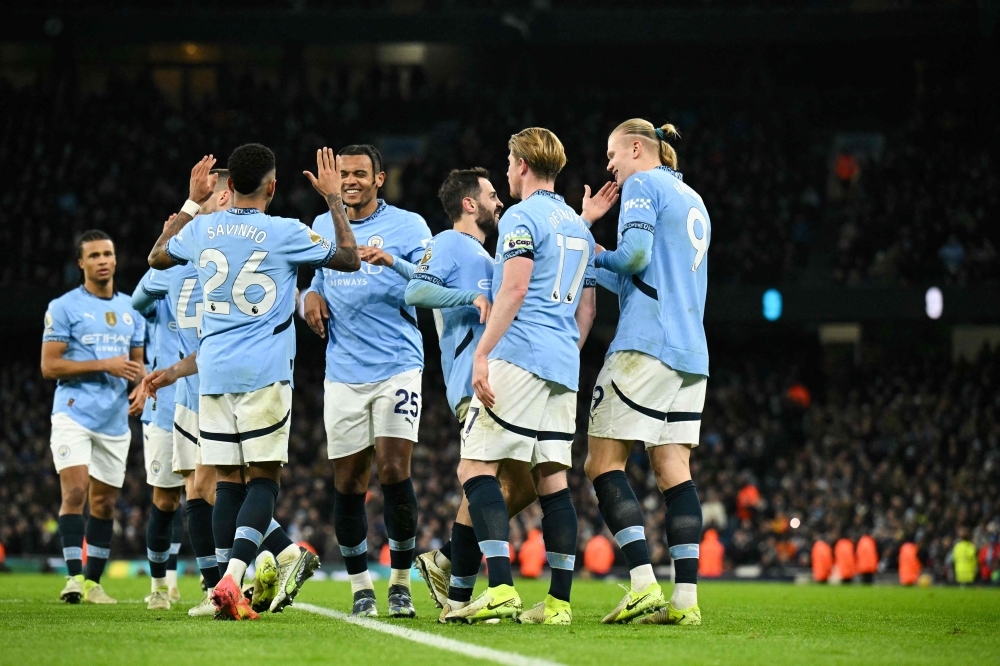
(376, 241)
(155, 467)
(111, 318)
(63, 452)
(127, 318)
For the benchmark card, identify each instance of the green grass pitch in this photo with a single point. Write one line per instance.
(744, 623)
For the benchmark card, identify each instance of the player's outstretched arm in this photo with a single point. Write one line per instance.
(597, 206)
(200, 189)
(379, 257)
(54, 366)
(631, 256)
(513, 289)
(586, 311)
(327, 182)
(424, 294)
(158, 379)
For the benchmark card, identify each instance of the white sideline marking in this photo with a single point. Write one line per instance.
(432, 640)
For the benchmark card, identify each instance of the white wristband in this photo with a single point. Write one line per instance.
(191, 207)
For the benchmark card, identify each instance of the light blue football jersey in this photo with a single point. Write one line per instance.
(372, 333)
(186, 297)
(679, 264)
(247, 263)
(542, 338)
(458, 261)
(162, 346)
(94, 328)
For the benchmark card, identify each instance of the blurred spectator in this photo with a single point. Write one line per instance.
(909, 564)
(989, 560)
(599, 555)
(843, 559)
(822, 561)
(866, 559)
(963, 558)
(711, 555)
(532, 555)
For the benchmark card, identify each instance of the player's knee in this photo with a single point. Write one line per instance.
(592, 468)
(391, 472)
(167, 499)
(203, 488)
(519, 496)
(102, 506)
(73, 499)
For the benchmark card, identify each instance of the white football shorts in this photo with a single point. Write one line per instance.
(104, 455)
(158, 452)
(187, 449)
(638, 397)
(242, 428)
(533, 420)
(356, 414)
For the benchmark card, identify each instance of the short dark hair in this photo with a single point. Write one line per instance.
(365, 149)
(89, 237)
(248, 165)
(223, 177)
(459, 184)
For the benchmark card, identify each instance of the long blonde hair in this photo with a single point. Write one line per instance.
(657, 136)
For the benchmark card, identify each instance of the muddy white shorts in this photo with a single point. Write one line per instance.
(638, 397)
(533, 420)
(356, 414)
(242, 428)
(104, 455)
(187, 451)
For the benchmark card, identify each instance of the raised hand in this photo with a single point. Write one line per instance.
(202, 182)
(170, 219)
(595, 207)
(121, 366)
(375, 256)
(484, 306)
(327, 180)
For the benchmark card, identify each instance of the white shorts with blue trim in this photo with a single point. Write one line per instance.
(187, 449)
(639, 397)
(158, 454)
(356, 415)
(242, 428)
(104, 455)
(533, 420)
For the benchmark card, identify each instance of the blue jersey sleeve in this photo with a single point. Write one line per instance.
(431, 295)
(639, 203)
(403, 267)
(58, 327)
(419, 241)
(138, 331)
(607, 279)
(438, 263)
(152, 288)
(517, 237)
(634, 252)
(305, 246)
(180, 248)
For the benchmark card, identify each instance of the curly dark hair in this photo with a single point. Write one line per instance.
(459, 184)
(248, 165)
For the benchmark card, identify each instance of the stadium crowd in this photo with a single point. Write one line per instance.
(113, 160)
(908, 453)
